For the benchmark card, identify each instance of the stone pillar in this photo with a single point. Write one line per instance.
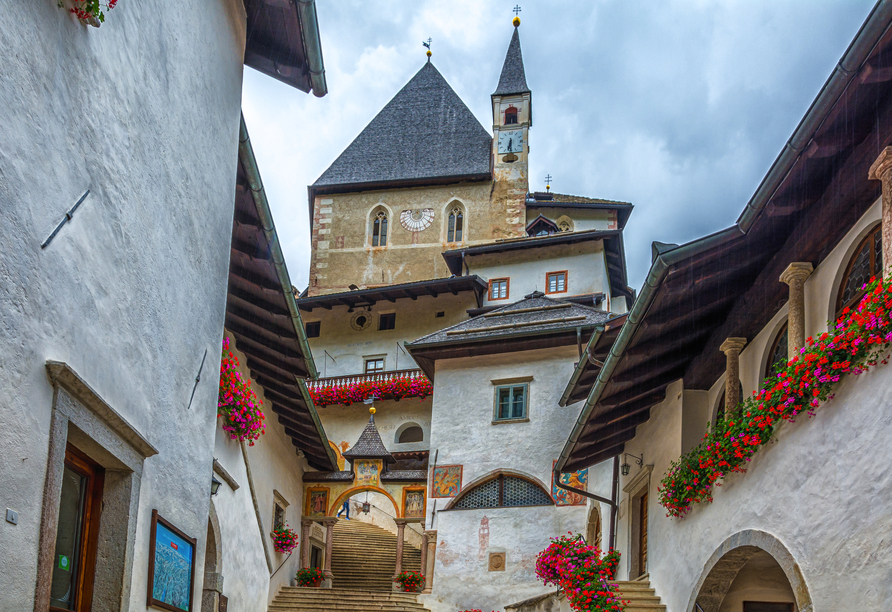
(881, 170)
(795, 276)
(329, 522)
(424, 553)
(304, 560)
(430, 557)
(731, 348)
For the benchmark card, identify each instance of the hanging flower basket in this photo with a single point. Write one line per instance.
(412, 582)
(309, 577)
(91, 11)
(237, 405)
(582, 572)
(284, 539)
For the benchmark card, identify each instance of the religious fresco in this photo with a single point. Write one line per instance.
(367, 472)
(317, 504)
(413, 506)
(447, 481)
(578, 480)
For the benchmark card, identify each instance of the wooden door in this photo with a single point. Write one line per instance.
(642, 536)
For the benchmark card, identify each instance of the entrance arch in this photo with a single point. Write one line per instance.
(593, 528)
(213, 564)
(735, 552)
(351, 492)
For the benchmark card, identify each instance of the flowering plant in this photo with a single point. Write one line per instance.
(86, 10)
(309, 577)
(410, 581)
(236, 402)
(284, 539)
(395, 388)
(583, 574)
(855, 343)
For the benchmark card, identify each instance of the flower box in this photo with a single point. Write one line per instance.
(309, 577)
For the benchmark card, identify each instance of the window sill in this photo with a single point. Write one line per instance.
(507, 421)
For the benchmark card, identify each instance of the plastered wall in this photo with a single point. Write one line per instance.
(131, 292)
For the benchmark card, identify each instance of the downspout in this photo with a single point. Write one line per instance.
(309, 29)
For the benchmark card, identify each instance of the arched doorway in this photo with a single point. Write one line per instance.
(213, 578)
(754, 572)
(593, 528)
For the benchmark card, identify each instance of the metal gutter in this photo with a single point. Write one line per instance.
(309, 29)
(592, 342)
(246, 156)
(876, 24)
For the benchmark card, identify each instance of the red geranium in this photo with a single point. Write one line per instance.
(582, 572)
(237, 404)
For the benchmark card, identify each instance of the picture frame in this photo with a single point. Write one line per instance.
(317, 500)
(414, 502)
(171, 567)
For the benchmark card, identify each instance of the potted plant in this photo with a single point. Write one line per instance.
(309, 577)
(284, 539)
(91, 12)
(411, 582)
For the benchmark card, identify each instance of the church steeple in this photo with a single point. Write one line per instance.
(513, 79)
(512, 117)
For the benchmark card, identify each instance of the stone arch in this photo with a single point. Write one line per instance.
(866, 224)
(722, 567)
(402, 429)
(495, 474)
(332, 511)
(593, 526)
(213, 564)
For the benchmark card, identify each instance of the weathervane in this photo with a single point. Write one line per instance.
(427, 44)
(516, 20)
(547, 182)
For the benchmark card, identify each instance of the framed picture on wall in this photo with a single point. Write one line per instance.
(171, 567)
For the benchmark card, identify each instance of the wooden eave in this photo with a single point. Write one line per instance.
(391, 293)
(275, 44)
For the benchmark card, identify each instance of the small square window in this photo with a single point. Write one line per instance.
(387, 321)
(441, 314)
(498, 289)
(511, 402)
(278, 517)
(556, 282)
(312, 329)
(374, 365)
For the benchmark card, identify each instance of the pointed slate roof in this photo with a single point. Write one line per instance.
(513, 79)
(369, 445)
(424, 132)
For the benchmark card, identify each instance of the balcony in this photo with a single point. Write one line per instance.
(346, 390)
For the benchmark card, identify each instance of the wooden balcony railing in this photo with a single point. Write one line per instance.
(395, 384)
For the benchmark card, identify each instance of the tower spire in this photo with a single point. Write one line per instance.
(513, 79)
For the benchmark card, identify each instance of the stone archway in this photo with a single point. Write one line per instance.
(213, 564)
(723, 566)
(593, 527)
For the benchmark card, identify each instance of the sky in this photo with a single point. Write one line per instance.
(679, 107)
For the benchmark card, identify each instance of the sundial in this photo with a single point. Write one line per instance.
(417, 220)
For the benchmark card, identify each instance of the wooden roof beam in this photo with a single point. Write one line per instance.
(595, 458)
(251, 336)
(255, 300)
(252, 278)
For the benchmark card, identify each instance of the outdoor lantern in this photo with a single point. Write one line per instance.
(215, 486)
(625, 467)
(366, 507)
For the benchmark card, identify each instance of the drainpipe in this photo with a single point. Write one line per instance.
(309, 29)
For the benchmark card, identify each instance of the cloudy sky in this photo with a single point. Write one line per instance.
(678, 106)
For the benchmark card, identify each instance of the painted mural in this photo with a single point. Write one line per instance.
(367, 472)
(577, 480)
(414, 504)
(447, 481)
(318, 502)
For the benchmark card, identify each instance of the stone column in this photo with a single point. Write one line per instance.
(305, 542)
(400, 536)
(329, 522)
(881, 170)
(430, 557)
(424, 553)
(795, 276)
(731, 348)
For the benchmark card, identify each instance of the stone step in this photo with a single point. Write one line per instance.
(305, 599)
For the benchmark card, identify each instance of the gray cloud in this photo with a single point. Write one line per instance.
(679, 107)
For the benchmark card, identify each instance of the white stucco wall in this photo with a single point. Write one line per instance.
(463, 433)
(144, 112)
(817, 488)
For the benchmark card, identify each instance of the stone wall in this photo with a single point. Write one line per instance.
(131, 292)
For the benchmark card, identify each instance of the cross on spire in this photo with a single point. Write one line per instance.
(548, 179)
(516, 9)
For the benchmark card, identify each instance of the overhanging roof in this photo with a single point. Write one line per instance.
(726, 284)
(283, 43)
(262, 316)
(613, 249)
(561, 200)
(390, 293)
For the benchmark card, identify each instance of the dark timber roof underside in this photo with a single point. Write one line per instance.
(424, 132)
(391, 293)
(275, 44)
(730, 286)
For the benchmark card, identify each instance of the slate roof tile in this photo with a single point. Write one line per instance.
(369, 445)
(513, 80)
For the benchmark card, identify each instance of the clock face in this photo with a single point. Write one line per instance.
(511, 142)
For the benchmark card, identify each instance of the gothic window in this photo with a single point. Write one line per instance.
(456, 225)
(498, 289)
(778, 353)
(511, 116)
(379, 229)
(504, 491)
(866, 263)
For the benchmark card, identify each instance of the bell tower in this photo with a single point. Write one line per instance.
(512, 117)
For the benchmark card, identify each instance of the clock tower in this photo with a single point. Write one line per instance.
(512, 118)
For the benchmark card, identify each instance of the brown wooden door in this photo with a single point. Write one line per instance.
(642, 536)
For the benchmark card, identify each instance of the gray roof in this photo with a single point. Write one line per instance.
(342, 476)
(534, 314)
(369, 445)
(513, 79)
(424, 132)
(404, 475)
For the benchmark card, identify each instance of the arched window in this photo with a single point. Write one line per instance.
(866, 262)
(379, 229)
(411, 434)
(503, 491)
(510, 115)
(455, 229)
(778, 353)
(593, 530)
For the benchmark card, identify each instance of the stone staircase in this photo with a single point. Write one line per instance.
(304, 599)
(363, 557)
(639, 594)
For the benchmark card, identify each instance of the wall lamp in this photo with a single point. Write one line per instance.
(625, 466)
(215, 486)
